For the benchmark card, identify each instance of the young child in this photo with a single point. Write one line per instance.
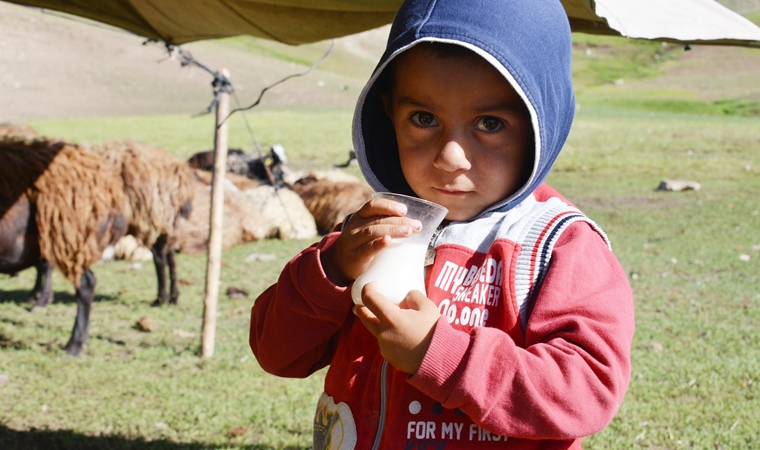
(523, 340)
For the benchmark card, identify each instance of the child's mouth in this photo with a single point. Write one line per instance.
(451, 191)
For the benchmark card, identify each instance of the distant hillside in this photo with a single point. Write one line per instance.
(664, 77)
(744, 7)
(52, 66)
(56, 67)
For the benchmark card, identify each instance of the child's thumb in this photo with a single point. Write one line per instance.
(417, 301)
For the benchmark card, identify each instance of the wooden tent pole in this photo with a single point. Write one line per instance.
(214, 261)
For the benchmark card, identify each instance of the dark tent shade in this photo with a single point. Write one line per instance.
(304, 21)
(181, 21)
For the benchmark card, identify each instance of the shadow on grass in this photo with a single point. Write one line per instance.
(15, 296)
(66, 439)
(20, 297)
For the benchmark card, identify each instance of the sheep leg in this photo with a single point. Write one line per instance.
(80, 333)
(172, 276)
(42, 294)
(160, 260)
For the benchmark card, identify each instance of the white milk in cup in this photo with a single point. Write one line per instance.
(400, 267)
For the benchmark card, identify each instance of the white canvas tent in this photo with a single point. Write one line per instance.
(685, 21)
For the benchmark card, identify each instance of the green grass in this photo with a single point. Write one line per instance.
(311, 138)
(132, 388)
(601, 63)
(599, 60)
(733, 107)
(696, 354)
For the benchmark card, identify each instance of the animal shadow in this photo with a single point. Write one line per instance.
(34, 439)
(21, 297)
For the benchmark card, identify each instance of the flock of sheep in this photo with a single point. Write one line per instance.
(64, 206)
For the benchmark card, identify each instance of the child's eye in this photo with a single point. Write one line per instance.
(489, 124)
(424, 119)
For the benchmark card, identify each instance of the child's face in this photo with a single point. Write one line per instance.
(464, 135)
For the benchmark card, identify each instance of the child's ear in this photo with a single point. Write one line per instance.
(387, 105)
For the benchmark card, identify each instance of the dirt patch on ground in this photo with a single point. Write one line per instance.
(56, 67)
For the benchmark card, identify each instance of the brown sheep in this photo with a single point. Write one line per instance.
(331, 201)
(241, 223)
(60, 206)
(159, 195)
(252, 211)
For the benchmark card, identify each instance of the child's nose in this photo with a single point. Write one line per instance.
(452, 157)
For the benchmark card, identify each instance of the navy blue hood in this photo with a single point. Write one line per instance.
(527, 41)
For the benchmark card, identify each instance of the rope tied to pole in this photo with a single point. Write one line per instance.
(222, 84)
(282, 80)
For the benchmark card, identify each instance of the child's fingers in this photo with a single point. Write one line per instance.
(398, 228)
(382, 216)
(367, 318)
(376, 303)
(372, 248)
(367, 242)
(382, 207)
(371, 227)
(403, 334)
(417, 301)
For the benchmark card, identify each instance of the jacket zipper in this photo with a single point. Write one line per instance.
(384, 370)
(383, 395)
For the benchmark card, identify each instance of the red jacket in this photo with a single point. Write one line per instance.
(532, 349)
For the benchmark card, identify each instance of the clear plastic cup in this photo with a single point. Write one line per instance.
(400, 267)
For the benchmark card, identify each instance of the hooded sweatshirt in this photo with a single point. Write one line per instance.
(532, 349)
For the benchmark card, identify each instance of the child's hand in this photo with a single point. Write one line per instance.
(367, 232)
(403, 332)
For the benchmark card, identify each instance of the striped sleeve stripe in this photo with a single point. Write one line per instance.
(536, 250)
(545, 242)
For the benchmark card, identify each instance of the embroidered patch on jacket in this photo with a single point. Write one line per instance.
(334, 427)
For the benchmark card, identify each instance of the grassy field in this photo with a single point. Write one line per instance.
(696, 355)
(312, 139)
(693, 259)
